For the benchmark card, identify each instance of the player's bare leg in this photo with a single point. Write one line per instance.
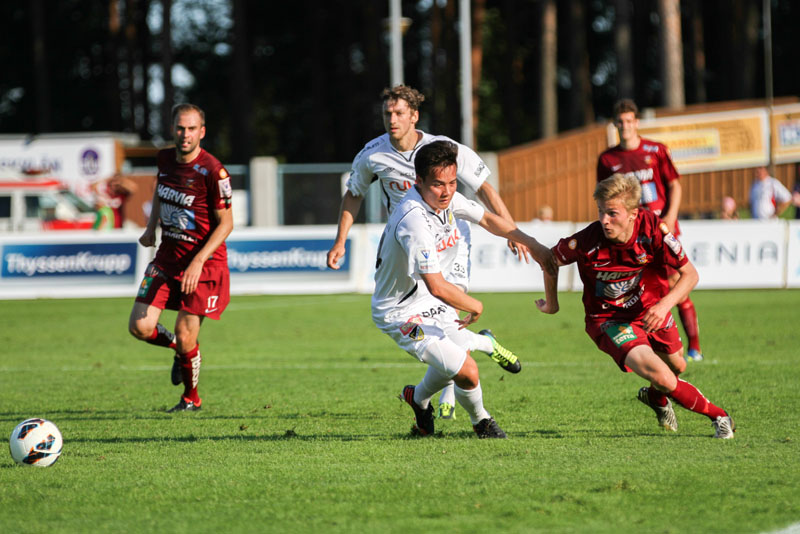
(643, 361)
(688, 317)
(143, 324)
(187, 330)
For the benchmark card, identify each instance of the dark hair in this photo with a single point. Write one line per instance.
(624, 106)
(436, 155)
(186, 107)
(410, 95)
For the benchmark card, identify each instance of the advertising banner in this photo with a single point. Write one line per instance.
(709, 141)
(288, 260)
(75, 161)
(786, 133)
(70, 264)
(740, 254)
(495, 268)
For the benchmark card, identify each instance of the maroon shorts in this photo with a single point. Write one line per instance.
(617, 339)
(209, 299)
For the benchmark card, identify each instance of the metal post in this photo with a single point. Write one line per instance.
(465, 49)
(396, 42)
(767, 13)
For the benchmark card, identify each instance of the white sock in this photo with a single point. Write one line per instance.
(448, 395)
(432, 382)
(479, 342)
(472, 401)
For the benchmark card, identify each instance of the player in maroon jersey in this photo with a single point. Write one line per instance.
(626, 316)
(190, 271)
(651, 163)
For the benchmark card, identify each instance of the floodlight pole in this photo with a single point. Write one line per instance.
(465, 49)
(396, 42)
(768, 89)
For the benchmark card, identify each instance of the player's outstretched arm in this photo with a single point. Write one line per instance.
(148, 237)
(549, 304)
(502, 228)
(347, 216)
(451, 295)
(492, 200)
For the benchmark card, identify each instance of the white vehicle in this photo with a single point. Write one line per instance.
(42, 204)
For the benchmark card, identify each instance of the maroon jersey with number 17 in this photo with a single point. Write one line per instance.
(189, 193)
(616, 282)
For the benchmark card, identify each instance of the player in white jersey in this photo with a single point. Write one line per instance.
(417, 307)
(390, 159)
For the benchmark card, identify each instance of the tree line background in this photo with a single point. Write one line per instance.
(301, 80)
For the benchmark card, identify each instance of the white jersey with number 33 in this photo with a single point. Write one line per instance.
(416, 240)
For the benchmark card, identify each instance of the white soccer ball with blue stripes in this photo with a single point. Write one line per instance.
(36, 442)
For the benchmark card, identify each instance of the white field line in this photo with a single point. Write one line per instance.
(791, 529)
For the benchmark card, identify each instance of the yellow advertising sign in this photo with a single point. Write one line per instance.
(711, 141)
(786, 133)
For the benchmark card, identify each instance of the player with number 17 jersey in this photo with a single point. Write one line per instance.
(188, 193)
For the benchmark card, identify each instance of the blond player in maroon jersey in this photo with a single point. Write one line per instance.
(627, 318)
(651, 163)
(189, 274)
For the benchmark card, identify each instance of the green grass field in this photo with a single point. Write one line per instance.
(302, 429)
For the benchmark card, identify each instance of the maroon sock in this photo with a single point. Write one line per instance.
(190, 371)
(656, 397)
(689, 320)
(690, 398)
(162, 337)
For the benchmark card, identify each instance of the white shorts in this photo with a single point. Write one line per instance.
(428, 331)
(460, 270)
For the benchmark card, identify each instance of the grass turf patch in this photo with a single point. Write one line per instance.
(302, 428)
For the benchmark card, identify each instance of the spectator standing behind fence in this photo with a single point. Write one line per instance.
(768, 197)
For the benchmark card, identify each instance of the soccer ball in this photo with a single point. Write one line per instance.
(35, 442)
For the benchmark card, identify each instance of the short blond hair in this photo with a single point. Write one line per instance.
(620, 186)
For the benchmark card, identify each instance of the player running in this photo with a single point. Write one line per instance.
(390, 159)
(190, 271)
(626, 317)
(650, 162)
(417, 307)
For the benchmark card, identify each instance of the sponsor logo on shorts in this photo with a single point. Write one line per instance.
(144, 287)
(417, 334)
(411, 328)
(620, 333)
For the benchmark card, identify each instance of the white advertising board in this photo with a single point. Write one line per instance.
(75, 161)
(727, 254)
(793, 255)
(736, 254)
(495, 268)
